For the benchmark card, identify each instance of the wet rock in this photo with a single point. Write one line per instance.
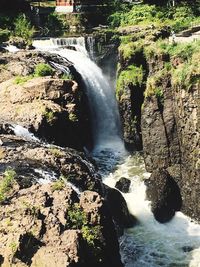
(118, 209)
(164, 194)
(52, 108)
(33, 161)
(123, 185)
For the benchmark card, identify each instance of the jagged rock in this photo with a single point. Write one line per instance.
(54, 109)
(39, 233)
(119, 210)
(33, 161)
(164, 194)
(123, 185)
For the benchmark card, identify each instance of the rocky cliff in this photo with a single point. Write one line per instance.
(169, 84)
(54, 208)
(52, 106)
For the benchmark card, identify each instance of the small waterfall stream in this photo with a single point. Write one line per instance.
(149, 243)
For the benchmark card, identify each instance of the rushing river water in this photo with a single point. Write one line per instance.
(149, 243)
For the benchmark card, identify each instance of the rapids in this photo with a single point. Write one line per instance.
(149, 243)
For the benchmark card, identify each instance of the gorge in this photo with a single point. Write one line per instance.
(65, 148)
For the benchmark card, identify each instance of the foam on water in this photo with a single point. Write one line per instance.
(151, 244)
(12, 48)
(24, 133)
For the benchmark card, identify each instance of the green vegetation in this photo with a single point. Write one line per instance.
(6, 183)
(23, 28)
(57, 152)
(130, 49)
(22, 79)
(92, 234)
(49, 115)
(131, 76)
(187, 74)
(43, 69)
(76, 217)
(4, 35)
(67, 76)
(55, 25)
(73, 117)
(58, 185)
(178, 18)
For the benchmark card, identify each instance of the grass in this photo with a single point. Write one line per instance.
(58, 185)
(178, 18)
(7, 183)
(131, 76)
(22, 79)
(42, 70)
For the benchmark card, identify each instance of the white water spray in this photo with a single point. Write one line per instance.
(148, 244)
(151, 244)
(102, 102)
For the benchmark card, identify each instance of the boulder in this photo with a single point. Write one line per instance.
(119, 210)
(123, 185)
(164, 194)
(54, 109)
(34, 162)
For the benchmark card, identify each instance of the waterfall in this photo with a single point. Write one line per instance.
(101, 96)
(149, 243)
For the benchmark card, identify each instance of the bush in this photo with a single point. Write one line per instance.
(22, 79)
(4, 35)
(23, 28)
(7, 183)
(43, 70)
(131, 76)
(55, 25)
(76, 217)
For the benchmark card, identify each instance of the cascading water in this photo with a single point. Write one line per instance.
(104, 112)
(149, 243)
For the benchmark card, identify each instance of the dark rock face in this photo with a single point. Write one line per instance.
(164, 194)
(170, 140)
(118, 209)
(159, 130)
(130, 111)
(123, 185)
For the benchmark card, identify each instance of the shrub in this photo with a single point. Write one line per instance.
(22, 79)
(131, 76)
(76, 217)
(7, 183)
(23, 28)
(42, 70)
(187, 74)
(4, 35)
(58, 185)
(55, 25)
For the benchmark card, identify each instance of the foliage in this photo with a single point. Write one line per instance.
(22, 79)
(67, 76)
(178, 18)
(42, 70)
(155, 81)
(55, 25)
(49, 115)
(187, 74)
(23, 28)
(91, 234)
(73, 117)
(76, 217)
(7, 183)
(4, 35)
(131, 76)
(129, 49)
(57, 152)
(58, 185)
